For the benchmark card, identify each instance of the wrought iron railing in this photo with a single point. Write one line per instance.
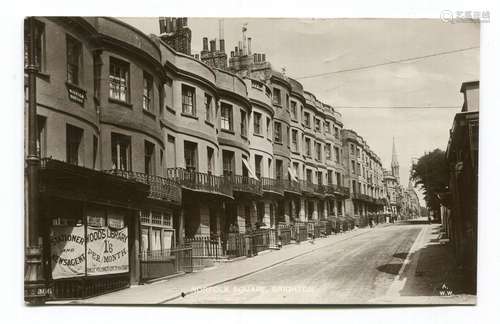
(245, 184)
(205, 247)
(284, 233)
(291, 186)
(306, 186)
(159, 187)
(158, 264)
(299, 232)
(273, 185)
(200, 181)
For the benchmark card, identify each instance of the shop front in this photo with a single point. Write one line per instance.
(90, 230)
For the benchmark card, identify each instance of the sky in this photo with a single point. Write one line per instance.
(373, 100)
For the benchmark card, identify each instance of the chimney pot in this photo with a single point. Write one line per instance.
(249, 40)
(205, 43)
(222, 46)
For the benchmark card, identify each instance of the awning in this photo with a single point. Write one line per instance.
(250, 172)
(292, 174)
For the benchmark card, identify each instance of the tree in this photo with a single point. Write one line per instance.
(431, 173)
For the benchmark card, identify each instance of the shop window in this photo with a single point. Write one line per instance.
(73, 59)
(119, 82)
(188, 100)
(156, 232)
(147, 91)
(121, 152)
(74, 145)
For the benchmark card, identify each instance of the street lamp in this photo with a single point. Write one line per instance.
(34, 280)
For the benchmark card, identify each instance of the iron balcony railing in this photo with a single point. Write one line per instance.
(245, 184)
(362, 197)
(312, 188)
(273, 185)
(291, 186)
(159, 187)
(198, 181)
(306, 186)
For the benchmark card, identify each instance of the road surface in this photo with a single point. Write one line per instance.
(353, 271)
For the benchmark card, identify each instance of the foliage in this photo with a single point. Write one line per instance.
(431, 173)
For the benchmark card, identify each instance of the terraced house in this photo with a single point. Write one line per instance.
(160, 161)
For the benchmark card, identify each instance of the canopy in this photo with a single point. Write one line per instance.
(292, 174)
(250, 172)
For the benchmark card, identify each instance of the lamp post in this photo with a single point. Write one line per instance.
(34, 280)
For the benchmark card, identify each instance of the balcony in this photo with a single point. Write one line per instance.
(159, 188)
(202, 182)
(273, 186)
(291, 186)
(245, 184)
(312, 188)
(362, 197)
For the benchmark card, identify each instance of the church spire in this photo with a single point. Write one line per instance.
(394, 162)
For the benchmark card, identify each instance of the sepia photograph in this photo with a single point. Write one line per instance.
(251, 161)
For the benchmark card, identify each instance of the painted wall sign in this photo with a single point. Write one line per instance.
(107, 250)
(67, 249)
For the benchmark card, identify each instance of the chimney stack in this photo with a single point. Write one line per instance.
(249, 45)
(232, 53)
(212, 45)
(236, 51)
(263, 57)
(222, 46)
(255, 56)
(205, 44)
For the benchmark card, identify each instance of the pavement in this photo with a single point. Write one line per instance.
(402, 264)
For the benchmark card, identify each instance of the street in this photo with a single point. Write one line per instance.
(352, 271)
(389, 264)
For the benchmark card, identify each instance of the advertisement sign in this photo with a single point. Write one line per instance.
(107, 250)
(67, 251)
